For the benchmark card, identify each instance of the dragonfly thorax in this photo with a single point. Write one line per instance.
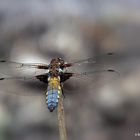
(56, 67)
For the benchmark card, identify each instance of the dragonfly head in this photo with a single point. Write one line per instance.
(60, 60)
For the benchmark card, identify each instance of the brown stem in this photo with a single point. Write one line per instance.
(61, 120)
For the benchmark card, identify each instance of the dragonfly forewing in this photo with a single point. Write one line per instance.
(21, 69)
(91, 60)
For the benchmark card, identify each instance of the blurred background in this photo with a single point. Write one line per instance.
(39, 30)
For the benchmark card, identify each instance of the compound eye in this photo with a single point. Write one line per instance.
(62, 61)
(58, 58)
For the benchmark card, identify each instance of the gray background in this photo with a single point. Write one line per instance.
(39, 30)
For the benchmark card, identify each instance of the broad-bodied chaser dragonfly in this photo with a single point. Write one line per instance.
(53, 74)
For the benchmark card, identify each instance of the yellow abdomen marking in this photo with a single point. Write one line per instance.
(54, 83)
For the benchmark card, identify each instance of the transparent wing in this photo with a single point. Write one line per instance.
(24, 65)
(92, 60)
(21, 78)
(94, 72)
(19, 69)
(90, 81)
(21, 85)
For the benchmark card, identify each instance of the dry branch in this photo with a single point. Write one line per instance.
(61, 120)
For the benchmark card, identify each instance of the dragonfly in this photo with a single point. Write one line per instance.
(54, 74)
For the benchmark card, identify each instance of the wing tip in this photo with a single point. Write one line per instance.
(112, 70)
(2, 61)
(110, 53)
(2, 78)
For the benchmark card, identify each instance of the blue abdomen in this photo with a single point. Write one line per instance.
(52, 99)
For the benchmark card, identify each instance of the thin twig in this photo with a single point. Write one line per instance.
(61, 120)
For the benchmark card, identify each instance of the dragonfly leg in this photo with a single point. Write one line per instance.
(62, 90)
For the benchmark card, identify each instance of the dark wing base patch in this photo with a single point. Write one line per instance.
(43, 78)
(65, 76)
